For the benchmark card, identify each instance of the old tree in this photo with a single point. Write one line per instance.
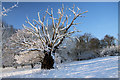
(50, 41)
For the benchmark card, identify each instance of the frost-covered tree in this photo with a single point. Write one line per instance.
(67, 53)
(7, 31)
(22, 41)
(51, 43)
(3, 29)
(17, 45)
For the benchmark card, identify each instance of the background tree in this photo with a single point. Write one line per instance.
(94, 43)
(7, 32)
(87, 47)
(102, 43)
(51, 43)
(84, 42)
(3, 32)
(108, 41)
(18, 44)
(67, 51)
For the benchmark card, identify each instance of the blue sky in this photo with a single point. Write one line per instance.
(101, 19)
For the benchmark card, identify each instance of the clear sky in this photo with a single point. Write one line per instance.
(101, 19)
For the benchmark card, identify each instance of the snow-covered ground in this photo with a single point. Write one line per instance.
(106, 67)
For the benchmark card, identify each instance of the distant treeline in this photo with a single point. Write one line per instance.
(88, 42)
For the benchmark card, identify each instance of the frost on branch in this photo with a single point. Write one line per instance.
(22, 41)
(40, 28)
(6, 10)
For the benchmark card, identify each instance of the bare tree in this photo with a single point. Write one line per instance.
(51, 43)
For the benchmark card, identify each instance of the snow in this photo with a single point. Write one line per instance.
(105, 67)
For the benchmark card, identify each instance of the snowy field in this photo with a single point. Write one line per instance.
(106, 67)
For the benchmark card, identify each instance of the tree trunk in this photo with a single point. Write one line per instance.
(32, 65)
(47, 62)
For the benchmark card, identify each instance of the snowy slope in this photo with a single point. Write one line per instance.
(106, 67)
